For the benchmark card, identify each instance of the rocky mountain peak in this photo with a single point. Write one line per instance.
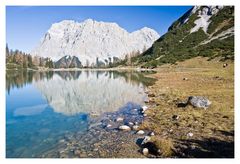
(92, 40)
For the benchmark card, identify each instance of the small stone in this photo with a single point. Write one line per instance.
(145, 151)
(225, 117)
(77, 152)
(190, 134)
(170, 130)
(140, 132)
(175, 117)
(152, 134)
(135, 127)
(185, 78)
(136, 123)
(96, 149)
(193, 147)
(90, 155)
(135, 109)
(146, 101)
(61, 141)
(225, 65)
(144, 114)
(130, 123)
(119, 119)
(124, 127)
(109, 125)
(146, 139)
(151, 95)
(144, 108)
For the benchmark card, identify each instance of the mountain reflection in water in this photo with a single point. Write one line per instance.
(43, 108)
(88, 91)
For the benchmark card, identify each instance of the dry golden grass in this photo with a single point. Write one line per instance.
(204, 78)
(165, 145)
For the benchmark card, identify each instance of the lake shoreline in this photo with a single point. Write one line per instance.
(86, 69)
(60, 105)
(178, 132)
(185, 132)
(192, 132)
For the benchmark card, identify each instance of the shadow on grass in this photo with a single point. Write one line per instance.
(207, 148)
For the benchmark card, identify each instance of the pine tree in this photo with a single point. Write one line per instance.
(29, 61)
(7, 51)
(24, 62)
(41, 62)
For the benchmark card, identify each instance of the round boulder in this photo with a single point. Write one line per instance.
(199, 102)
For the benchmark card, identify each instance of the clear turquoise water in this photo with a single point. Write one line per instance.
(42, 108)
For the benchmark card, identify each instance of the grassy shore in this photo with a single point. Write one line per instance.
(188, 131)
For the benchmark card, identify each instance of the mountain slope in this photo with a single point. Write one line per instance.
(91, 41)
(202, 31)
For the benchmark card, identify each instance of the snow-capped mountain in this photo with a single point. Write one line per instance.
(91, 41)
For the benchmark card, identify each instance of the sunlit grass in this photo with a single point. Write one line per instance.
(204, 78)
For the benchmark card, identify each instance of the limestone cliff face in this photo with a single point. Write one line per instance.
(92, 40)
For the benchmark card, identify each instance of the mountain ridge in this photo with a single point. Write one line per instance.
(186, 38)
(90, 39)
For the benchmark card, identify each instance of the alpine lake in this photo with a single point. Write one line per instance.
(68, 114)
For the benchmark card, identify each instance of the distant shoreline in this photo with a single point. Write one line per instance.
(85, 69)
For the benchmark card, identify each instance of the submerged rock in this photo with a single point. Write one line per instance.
(119, 119)
(62, 141)
(199, 102)
(130, 124)
(124, 127)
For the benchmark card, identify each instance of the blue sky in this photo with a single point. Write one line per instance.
(26, 25)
